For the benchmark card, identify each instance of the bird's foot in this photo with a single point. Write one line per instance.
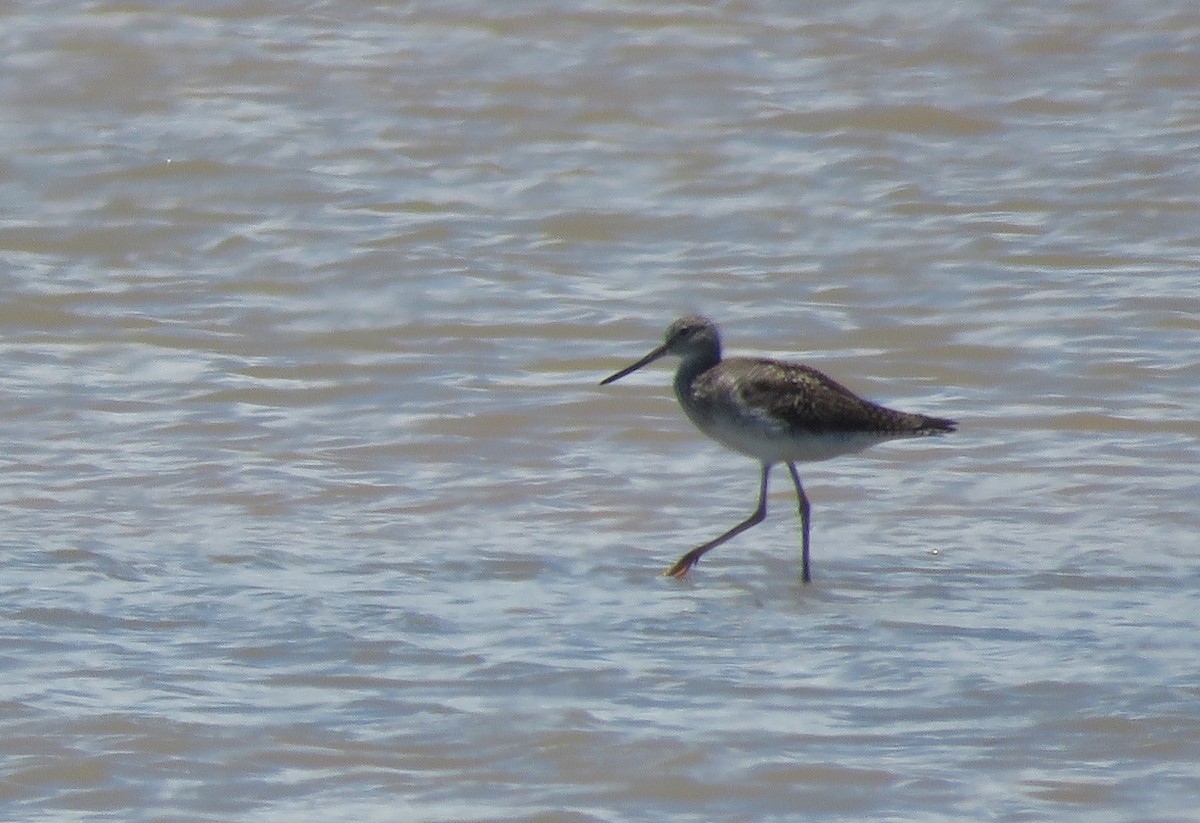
(683, 565)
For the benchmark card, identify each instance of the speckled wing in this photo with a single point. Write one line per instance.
(806, 401)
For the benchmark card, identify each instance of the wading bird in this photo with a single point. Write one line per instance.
(773, 411)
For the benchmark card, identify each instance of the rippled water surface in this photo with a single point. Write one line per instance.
(312, 506)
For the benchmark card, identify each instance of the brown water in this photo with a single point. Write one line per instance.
(312, 506)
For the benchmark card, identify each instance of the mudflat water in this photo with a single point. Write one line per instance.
(312, 508)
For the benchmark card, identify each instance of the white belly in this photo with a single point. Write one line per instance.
(771, 444)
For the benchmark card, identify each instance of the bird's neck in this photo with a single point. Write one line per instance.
(691, 367)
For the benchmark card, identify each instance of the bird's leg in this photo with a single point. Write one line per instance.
(805, 576)
(691, 558)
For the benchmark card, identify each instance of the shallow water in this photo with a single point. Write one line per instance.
(313, 507)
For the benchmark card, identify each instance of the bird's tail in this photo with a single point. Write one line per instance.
(935, 425)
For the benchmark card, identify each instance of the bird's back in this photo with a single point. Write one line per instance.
(774, 409)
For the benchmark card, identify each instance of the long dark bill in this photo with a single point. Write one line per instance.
(650, 358)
